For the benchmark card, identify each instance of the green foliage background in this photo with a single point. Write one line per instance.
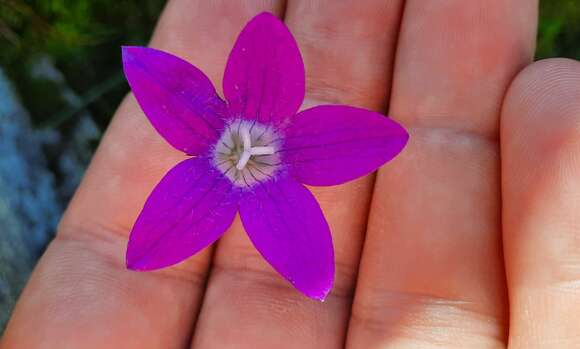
(82, 37)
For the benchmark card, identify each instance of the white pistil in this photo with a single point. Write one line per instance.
(249, 151)
(243, 160)
(262, 150)
(246, 139)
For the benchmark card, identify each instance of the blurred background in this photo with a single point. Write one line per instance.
(61, 81)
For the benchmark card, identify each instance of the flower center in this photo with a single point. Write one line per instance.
(246, 152)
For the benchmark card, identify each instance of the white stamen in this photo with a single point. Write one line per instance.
(243, 160)
(248, 150)
(241, 142)
(262, 150)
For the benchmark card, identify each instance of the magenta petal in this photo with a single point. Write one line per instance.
(333, 144)
(178, 98)
(189, 209)
(285, 223)
(264, 76)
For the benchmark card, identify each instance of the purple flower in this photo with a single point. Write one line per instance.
(251, 153)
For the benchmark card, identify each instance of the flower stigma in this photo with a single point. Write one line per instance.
(246, 152)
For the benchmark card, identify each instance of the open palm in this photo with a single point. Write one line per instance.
(427, 250)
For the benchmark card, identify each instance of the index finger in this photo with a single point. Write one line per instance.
(81, 294)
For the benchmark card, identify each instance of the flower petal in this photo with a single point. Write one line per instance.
(264, 76)
(188, 210)
(333, 144)
(285, 223)
(178, 98)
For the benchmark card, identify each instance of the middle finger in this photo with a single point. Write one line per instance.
(348, 50)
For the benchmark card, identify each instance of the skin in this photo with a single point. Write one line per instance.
(469, 239)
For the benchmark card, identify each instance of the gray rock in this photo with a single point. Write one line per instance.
(32, 196)
(29, 209)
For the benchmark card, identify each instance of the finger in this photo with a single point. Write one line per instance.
(347, 49)
(541, 191)
(431, 274)
(81, 295)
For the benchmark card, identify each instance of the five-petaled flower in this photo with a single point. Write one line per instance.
(251, 153)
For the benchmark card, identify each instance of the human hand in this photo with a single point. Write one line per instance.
(430, 271)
